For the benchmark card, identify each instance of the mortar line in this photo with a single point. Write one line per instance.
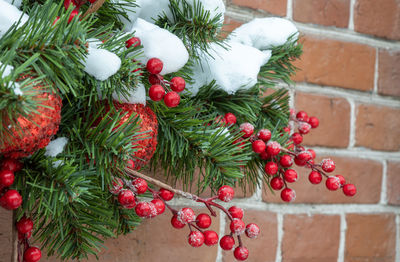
(397, 238)
(278, 256)
(289, 9)
(351, 17)
(384, 184)
(376, 74)
(352, 135)
(342, 241)
(222, 224)
(358, 152)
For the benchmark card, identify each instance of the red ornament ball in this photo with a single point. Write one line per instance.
(290, 175)
(6, 178)
(247, 129)
(186, 215)
(134, 41)
(226, 193)
(11, 164)
(196, 239)
(264, 135)
(328, 165)
(172, 99)
(160, 206)
(154, 66)
(156, 92)
(315, 177)
(241, 253)
(288, 195)
(333, 183)
(227, 242)
(271, 168)
(176, 223)
(11, 200)
(178, 84)
(210, 238)
(32, 254)
(236, 212)
(252, 230)
(24, 225)
(126, 198)
(259, 146)
(230, 119)
(166, 194)
(237, 226)
(203, 220)
(273, 148)
(276, 183)
(349, 189)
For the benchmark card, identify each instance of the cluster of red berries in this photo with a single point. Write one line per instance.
(77, 4)
(9, 198)
(24, 228)
(159, 84)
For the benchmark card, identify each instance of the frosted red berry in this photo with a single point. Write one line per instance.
(203, 220)
(126, 198)
(178, 84)
(166, 194)
(313, 121)
(134, 41)
(32, 254)
(116, 186)
(276, 183)
(271, 168)
(237, 226)
(210, 237)
(230, 118)
(236, 212)
(312, 152)
(154, 66)
(264, 134)
(24, 225)
(304, 156)
(302, 116)
(156, 93)
(315, 177)
(227, 242)
(11, 164)
(286, 161)
(332, 183)
(172, 99)
(252, 230)
(196, 239)
(143, 209)
(288, 195)
(341, 179)
(290, 175)
(226, 193)
(6, 178)
(241, 253)
(140, 185)
(155, 79)
(176, 223)
(186, 215)
(349, 189)
(273, 148)
(297, 138)
(259, 146)
(11, 200)
(153, 212)
(304, 128)
(299, 162)
(247, 129)
(328, 165)
(160, 206)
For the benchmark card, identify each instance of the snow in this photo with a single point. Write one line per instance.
(7, 70)
(136, 96)
(17, 89)
(56, 146)
(215, 7)
(162, 44)
(16, 3)
(264, 33)
(101, 63)
(94, 42)
(232, 69)
(9, 15)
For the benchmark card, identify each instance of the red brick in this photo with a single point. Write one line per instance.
(230, 24)
(364, 173)
(370, 238)
(393, 182)
(377, 127)
(380, 18)
(262, 249)
(310, 238)
(336, 63)
(334, 116)
(389, 73)
(276, 7)
(5, 235)
(322, 12)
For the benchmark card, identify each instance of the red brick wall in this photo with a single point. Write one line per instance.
(350, 79)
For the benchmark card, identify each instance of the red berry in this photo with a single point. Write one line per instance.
(333, 183)
(299, 162)
(258, 146)
(6, 178)
(313, 121)
(312, 152)
(11, 200)
(264, 134)
(271, 168)
(117, 186)
(237, 226)
(349, 189)
(196, 239)
(328, 165)
(290, 175)
(252, 230)
(154, 66)
(304, 156)
(92, 1)
(341, 179)
(264, 155)
(129, 164)
(297, 138)
(160, 206)
(186, 215)
(302, 116)
(226, 193)
(203, 221)
(143, 209)
(277, 183)
(155, 79)
(140, 185)
(247, 129)
(315, 177)
(304, 128)
(172, 99)
(67, 4)
(11, 164)
(288, 195)
(166, 194)
(236, 212)
(273, 148)
(126, 198)
(286, 161)
(156, 92)
(24, 225)
(210, 237)
(241, 253)
(227, 242)
(178, 84)
(24, 236)
(73, 14)
(135, 41)
(32, 254)
(176, 223)
(230, 118)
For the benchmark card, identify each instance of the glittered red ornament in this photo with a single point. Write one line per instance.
(34, 131)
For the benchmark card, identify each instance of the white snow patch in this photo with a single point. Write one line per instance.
(16, 3)
(215, 7)
(9, 15)
(17, 89)
(136, 96)
(264, 33)
(101, 63)
(7, 70)
(94, 42)
(56, 146)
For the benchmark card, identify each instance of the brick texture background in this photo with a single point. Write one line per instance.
(350, 79)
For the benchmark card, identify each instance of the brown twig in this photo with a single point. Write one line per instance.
(94, 7)
(14, 257)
